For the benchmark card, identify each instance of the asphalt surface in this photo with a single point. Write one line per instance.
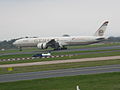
(81, 49)
(59, 73)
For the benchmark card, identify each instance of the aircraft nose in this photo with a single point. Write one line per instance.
(15, 43)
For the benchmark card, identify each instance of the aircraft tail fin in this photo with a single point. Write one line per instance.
(101, 30)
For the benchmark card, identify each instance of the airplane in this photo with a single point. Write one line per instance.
(60, 43)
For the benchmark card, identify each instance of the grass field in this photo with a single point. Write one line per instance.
(58, 66)
(107, 81)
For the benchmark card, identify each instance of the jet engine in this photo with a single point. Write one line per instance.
(42, 45)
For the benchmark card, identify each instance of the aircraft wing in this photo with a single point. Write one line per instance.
(57, 45)
(52, 43)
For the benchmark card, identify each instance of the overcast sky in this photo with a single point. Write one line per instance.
(46, 18)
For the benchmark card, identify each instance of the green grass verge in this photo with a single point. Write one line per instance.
(53, 53)
(106, 81)
(74, 52)
(15, 56)
(95, 45)
(58, 66)
(17, 50)
(64, 58)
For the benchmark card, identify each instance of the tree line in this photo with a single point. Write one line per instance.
(7, 44)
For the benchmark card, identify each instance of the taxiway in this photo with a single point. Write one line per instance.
(59, 73)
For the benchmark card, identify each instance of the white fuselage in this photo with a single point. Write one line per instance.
(61, 42)
(66, 41)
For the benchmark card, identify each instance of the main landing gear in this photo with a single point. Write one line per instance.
(63, 48)
(20, 48)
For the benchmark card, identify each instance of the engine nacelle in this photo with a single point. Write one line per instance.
(42, 45)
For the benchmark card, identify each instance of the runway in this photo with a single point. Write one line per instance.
(68, 50)
(59, 73)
